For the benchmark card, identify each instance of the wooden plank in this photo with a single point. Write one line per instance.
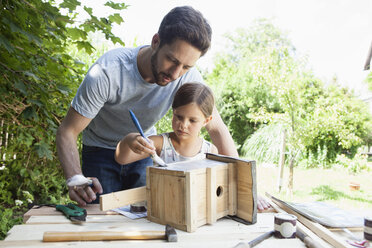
(233, 193)
(200, 197)
(226, 159)
(221, 191)
(61, 219)
(191, 204)
(318, 229)
(156, 196)
(211, 195)
(122, 198)
(174, 204)
(92, 209)
(247, 191)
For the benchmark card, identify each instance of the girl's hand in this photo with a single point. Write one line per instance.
(139, 145)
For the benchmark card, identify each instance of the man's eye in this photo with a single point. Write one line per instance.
(174, 61)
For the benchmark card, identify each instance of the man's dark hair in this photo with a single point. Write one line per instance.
(188, 24)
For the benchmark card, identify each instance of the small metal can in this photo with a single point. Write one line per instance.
(368, 228)
(285, 226)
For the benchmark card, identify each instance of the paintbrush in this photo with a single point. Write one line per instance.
(154, 157)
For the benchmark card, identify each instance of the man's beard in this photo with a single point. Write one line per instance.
(154, 70)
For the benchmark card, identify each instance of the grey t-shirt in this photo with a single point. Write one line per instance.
(112, 86)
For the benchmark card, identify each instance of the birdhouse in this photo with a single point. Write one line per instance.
(189, 194)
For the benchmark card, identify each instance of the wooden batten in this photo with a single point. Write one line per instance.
(211, 195)
(122, 198)
(233, 193)
(222, 191)
(247, 191)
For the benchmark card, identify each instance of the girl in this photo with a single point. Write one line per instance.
(192, 109)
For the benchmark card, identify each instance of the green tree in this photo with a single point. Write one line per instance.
(38, 79)
(240, 78)
(261, 80)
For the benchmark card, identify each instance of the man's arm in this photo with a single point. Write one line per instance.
(72, 125)
(221, 136)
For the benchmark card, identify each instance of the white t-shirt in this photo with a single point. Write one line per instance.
(170, 155)
(112, 86)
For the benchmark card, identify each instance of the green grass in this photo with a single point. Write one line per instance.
(331, 186)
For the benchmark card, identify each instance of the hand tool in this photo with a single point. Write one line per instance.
(170, 235)
(355, 240)
(255, 241)
(154, 157)
(73, 212)
(308, 241)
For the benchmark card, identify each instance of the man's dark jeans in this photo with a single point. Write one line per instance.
(100, 163)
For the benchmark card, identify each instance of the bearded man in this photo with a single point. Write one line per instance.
(145, 80)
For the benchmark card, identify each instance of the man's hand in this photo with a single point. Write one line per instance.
(85, 194)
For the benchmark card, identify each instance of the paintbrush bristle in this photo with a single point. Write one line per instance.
(158, 160)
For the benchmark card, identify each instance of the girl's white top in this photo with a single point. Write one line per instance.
(170, 155)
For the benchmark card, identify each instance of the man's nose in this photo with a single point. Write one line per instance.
(176, 71)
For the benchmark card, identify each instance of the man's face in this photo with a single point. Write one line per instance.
(171, 61)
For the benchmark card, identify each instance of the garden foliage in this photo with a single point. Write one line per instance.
(38, 80)
(262, 80)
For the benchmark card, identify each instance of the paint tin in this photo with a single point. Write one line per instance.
(138, 208)
(284, 226)
(368, 228)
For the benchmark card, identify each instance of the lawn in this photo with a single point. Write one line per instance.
(328, 185)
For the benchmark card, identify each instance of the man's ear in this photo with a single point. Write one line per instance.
(155, 42)
(207, 120)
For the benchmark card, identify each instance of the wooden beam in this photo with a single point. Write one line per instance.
(122, 198)
(211, 195)
(233, 192)
(318, 229)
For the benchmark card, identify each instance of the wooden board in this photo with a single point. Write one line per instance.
(122, 198)
(247, 191)
(92, 209)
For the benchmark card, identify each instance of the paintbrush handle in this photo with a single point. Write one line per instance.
(260, 238)
(155, 157)
(137, 124)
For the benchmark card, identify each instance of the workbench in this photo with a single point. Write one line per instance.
(223, 233)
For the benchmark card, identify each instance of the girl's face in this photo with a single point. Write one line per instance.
(188, 120)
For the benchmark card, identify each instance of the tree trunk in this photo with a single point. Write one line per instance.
(290, 179)
(281, 162)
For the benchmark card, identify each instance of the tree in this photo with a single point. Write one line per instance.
(240, 77)
(262, 81)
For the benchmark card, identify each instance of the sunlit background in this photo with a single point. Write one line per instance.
(334, 34)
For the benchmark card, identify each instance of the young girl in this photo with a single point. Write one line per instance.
(192, 109)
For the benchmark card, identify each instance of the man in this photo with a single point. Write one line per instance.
(145, 80)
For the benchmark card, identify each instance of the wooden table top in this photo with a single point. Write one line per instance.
(224, 233)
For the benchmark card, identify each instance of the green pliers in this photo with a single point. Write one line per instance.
(73, 212)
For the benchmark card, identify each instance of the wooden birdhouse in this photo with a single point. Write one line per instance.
(190, 194)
